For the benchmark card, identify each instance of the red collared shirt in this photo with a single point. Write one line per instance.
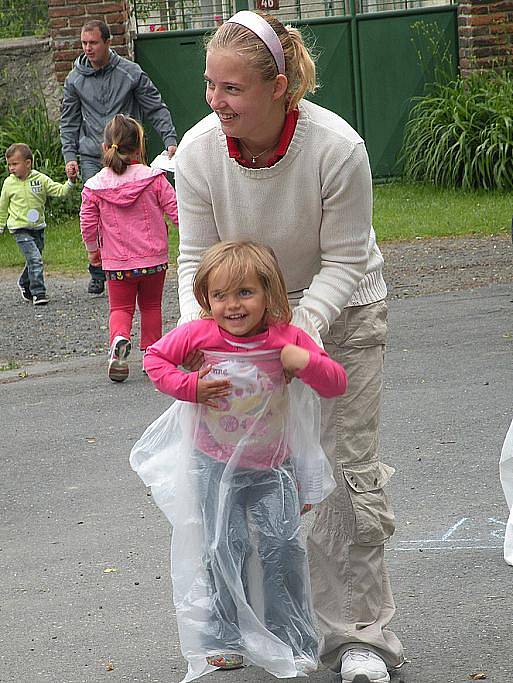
(286, 136)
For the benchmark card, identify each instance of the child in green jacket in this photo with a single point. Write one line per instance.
(22, 208)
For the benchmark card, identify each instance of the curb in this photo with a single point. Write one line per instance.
(33, 371)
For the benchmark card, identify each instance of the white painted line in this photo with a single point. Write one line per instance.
(448, 547)
(453, 529)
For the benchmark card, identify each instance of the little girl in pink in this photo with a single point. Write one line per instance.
(124, 232)
(240, 472)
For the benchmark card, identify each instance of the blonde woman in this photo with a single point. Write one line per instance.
(270, 166)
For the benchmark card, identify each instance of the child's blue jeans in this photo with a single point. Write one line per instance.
(269, 499)
(31, 244)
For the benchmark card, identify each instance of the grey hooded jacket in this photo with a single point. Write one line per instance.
(93, 97)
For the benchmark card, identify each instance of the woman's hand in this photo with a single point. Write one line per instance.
(306, 508)
(193, 360)
(294, 359)
(209, 390)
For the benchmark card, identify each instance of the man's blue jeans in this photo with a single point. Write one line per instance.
(31, 244)
(90, 166)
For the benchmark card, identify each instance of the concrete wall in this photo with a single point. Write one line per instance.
(27, 67)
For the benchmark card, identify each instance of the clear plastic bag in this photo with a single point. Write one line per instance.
(226, 479)
(506, 475)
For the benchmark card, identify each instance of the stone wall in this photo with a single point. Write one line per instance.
(68, 16)
(26, 68)
(485, 29)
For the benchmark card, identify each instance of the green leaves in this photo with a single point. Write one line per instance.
(34, 127)
(23, 18)
(460, 134)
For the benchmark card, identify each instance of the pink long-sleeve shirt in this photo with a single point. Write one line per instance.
(162, 359)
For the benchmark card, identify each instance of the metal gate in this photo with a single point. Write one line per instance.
(369, 61)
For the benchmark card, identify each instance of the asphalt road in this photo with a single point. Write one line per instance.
(85, 590)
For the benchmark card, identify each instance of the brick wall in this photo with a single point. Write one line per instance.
(485, 30)
(67, 18)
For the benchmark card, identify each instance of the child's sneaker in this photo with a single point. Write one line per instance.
(25, 292)
(40, 299)
(226, 662)
(95, 286)
(118, 365)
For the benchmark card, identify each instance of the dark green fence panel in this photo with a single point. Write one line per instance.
(391, 75)
(332, 41)
(175, 62)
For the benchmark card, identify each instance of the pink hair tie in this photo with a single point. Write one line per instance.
(259, 26)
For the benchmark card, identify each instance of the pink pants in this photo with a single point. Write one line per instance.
(146, 290)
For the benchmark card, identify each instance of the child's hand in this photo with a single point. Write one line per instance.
(94, 258)
(209, 390)
(294, 359)
(72, 170)
(193, 360)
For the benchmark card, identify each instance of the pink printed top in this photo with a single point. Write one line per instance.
(246, 425)
(161, 361)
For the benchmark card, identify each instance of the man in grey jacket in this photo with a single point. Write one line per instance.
(101, 85)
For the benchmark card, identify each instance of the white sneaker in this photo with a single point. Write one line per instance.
(118, 365)
(363, 666)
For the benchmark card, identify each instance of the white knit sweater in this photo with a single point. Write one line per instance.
(314, 208)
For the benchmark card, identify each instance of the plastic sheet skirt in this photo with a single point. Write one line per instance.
(232, 481)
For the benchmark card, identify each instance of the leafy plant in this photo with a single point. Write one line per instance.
(460, 134)
(23, 18)
(433, 49)
(34, 127)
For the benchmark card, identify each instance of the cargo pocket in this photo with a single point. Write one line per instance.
(374, 517)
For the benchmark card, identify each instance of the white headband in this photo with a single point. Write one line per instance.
(259, 26)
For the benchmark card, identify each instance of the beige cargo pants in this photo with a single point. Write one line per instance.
(351, 589)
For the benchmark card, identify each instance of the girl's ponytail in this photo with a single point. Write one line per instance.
(123, 140)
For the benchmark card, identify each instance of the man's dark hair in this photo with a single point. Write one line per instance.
(100, 25)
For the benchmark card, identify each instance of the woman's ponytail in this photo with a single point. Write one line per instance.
(302, 78)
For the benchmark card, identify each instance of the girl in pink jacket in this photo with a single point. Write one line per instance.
(124, 232)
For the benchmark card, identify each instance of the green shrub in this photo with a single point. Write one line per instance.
(460, 134)
(23, 18)
(35, 128)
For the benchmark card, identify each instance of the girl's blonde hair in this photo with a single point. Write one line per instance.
(240, 259)
(124, 139)
(299, 62)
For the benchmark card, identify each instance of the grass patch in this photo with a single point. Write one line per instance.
(402, 211)
(10, 365)
(64, 251)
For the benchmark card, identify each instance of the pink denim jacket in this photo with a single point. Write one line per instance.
(123, 216)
